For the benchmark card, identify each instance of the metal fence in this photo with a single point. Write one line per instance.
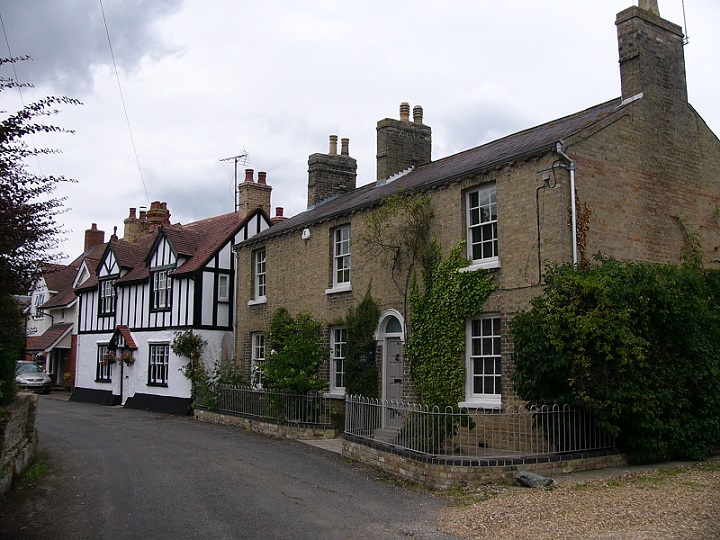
(513, 431)
(309, 409)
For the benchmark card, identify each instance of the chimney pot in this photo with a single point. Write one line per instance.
(143, 214)
(279, 211)
(405, 111)
(262, 178)
(345, 146)
(93, 237)
(333, 145)
(418, 114)
(131, 215)
(249, 175)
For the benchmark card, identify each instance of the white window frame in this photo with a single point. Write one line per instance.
(223, 287)
(483, 363)
(39, 301)
(107, 297)
(338, 351)
(257, 359)
(158, 364)
(342, 261)
(481, 218)
(103, 371)
(259, 274)
(162, 290)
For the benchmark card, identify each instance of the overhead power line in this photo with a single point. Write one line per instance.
(122, 99)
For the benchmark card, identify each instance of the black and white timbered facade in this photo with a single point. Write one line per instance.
(176, 278)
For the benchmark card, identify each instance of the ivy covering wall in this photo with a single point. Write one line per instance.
(439, 308)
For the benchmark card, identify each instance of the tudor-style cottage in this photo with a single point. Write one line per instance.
(159, 279)
(51, 326)
(644, 166)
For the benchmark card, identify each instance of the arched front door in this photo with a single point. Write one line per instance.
(392, 338)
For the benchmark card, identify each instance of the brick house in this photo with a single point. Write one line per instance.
(159, 279)
(644, 166)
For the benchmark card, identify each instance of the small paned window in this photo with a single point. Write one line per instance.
(257, 359)
(158, 365)
(341, 256)
(39, 301)
(259, 274)
(482, 225)
(103, 369)
(107, 297)
(338, 348)
(484, 364)
(161, 288)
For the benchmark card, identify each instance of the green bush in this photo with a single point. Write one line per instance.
(637, 344)
(294, 354)
(361, 373)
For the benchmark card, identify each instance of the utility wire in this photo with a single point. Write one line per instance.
(122, 99)
(19, 89)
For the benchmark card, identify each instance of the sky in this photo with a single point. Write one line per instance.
(198, 81)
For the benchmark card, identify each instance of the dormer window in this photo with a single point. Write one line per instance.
(161, 289)
(107, 297)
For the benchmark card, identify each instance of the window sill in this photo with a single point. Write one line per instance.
(106, 381)
(161, 385)
(484, 265)
(257, 302)
(344, 287)
(486, 403)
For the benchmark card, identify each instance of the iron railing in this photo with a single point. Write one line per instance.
(512, 431)
(272, 405)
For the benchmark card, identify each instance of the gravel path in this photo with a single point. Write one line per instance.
(667, 503)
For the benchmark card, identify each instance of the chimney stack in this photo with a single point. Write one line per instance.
(158, 215)
(94, 237)
(253, 195)
(331, 174)
(652, 59)
(279, 216)
(402, 144)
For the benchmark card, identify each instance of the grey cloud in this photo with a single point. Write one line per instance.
(67, 39)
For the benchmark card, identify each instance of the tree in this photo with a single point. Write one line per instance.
(28, 229)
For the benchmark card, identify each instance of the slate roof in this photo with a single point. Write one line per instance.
(524, 143)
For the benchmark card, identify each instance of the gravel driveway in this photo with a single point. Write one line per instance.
(681, 502)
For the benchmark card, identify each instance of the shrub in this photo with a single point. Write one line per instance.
(295, 354)
(637, 344)
(361, 373)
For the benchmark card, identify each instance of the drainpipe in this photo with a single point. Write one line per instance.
(571, 168)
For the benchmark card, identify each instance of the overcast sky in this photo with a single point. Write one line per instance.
(206, 80)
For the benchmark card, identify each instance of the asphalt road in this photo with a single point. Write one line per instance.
(119, 473)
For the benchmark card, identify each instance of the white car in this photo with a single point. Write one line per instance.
(30, 376)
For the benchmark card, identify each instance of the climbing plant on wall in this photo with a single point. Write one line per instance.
(398, 235)
(439, 308)
(361, 373)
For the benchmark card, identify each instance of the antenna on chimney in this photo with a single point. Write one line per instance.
(686, 38)
(241, 158)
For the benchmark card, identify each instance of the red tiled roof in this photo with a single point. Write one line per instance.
(49, 338)
(124, 331)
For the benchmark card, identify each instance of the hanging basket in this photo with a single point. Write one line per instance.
(128, 358)
(109, 358)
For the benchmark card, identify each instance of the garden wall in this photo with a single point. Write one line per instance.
(445, 473)
(18, 439)
(265, 427)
